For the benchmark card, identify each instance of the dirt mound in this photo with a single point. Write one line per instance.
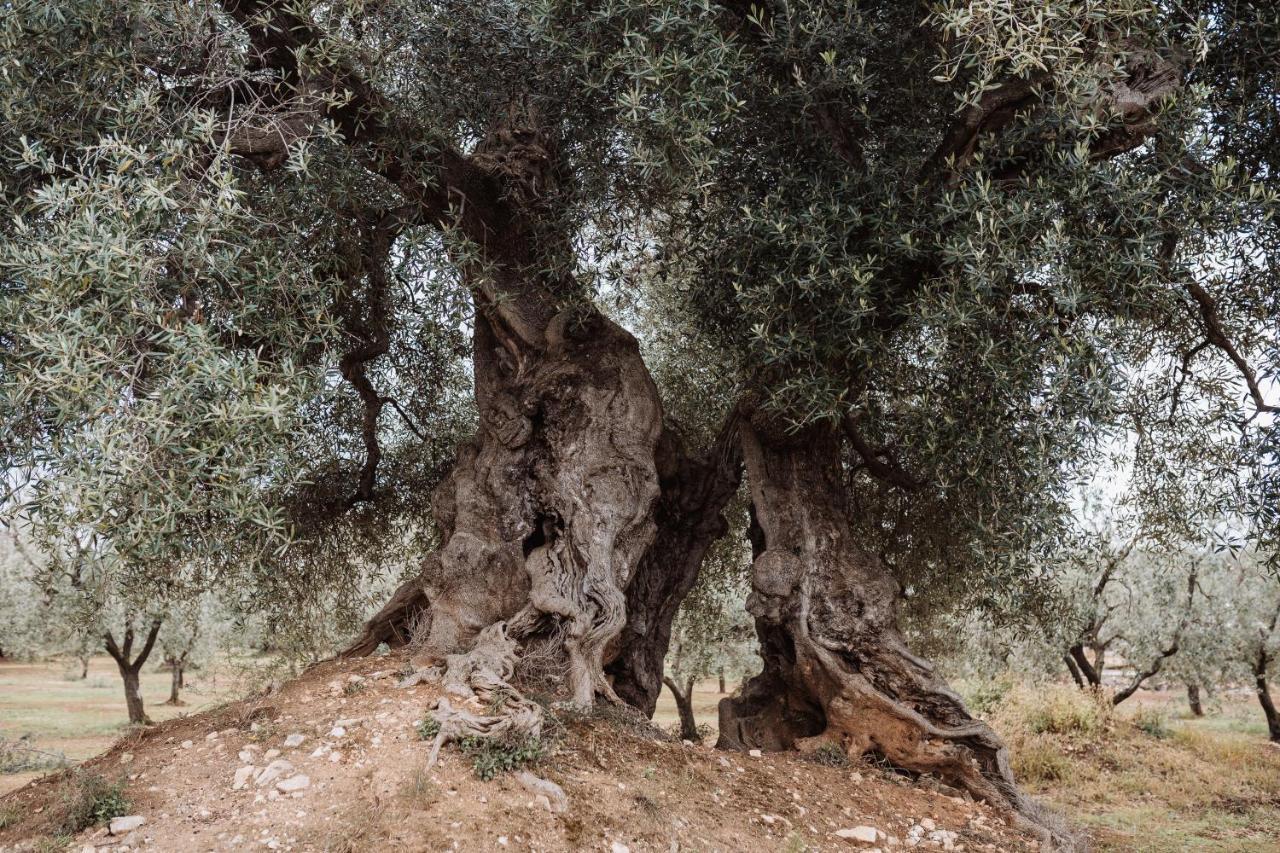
(339, 765)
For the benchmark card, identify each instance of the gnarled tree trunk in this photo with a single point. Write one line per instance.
(836, 669)
(1263, 690)
(549, 508)
(690, 518)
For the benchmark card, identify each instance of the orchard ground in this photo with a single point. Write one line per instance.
(1149, 777)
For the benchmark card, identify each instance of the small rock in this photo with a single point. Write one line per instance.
(242, 777)
(864, 834)
(273, 771)
(186, 744)
(755, 753)
(270, 754)
(928, 824)
(619, 847)
(294, 740)
(347, 724)
(211, 736)
(294, 783)
(337, 731)
(122, 825)
(246, 756)
(554, 794)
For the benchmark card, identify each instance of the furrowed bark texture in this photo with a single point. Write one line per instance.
(549, 508)
(836, 669)
(690, 518)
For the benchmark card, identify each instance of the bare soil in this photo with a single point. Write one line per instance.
(627, 786)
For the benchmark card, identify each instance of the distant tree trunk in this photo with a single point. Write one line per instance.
(1193, 699)
(1091, 675)
(1261, 662)
(684, 705)
(721, 676)
(836, 669)
(84, 666)
(130, 669)
(1074, 670)
(176, 664)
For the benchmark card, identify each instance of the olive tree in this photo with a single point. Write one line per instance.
(265, 263)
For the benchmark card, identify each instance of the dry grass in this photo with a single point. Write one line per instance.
(1141, 778)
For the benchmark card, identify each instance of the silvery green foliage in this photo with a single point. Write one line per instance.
(172, 323)
(991, 316)
(182, 266)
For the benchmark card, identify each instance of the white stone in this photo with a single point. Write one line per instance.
(619, 847)
(273, 771)
(242, 777)
(270, 754)
(294, 740)
(928, 824)
(335, 756)
(294, 783)
(121, 825)
(246, 756)
(186, 744)
(337, 731)
(864, 834)
(755, 753)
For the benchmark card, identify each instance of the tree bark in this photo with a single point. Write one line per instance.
(690, 518)
(684, 706)
(836, 669)
(1264, 694)
(721, 676)
(1193, 699)
(130, 669)
(549, 508)
(1074, 670)
(176, 667)
(84, 667)
(1091, 675)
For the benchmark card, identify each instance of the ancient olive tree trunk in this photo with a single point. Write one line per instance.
(696, 487)
(1261, 664)
(131, 669)
(549, 508)
(836, 669)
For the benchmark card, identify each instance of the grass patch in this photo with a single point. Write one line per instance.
(19, 756)
(9, 816)
(420, 791)
(1153, 722)
(89, 800)
(830, 755)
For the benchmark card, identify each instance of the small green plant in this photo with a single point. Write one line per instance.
(353, 688)
(1153, 722)
(9, 815)
(829, 755)
(984, 696)
(428, 728)
(90, 800)
(493, 755)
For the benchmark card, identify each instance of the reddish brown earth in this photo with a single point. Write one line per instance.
(627, 786)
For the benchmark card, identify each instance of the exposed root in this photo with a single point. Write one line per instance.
(487, 705)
